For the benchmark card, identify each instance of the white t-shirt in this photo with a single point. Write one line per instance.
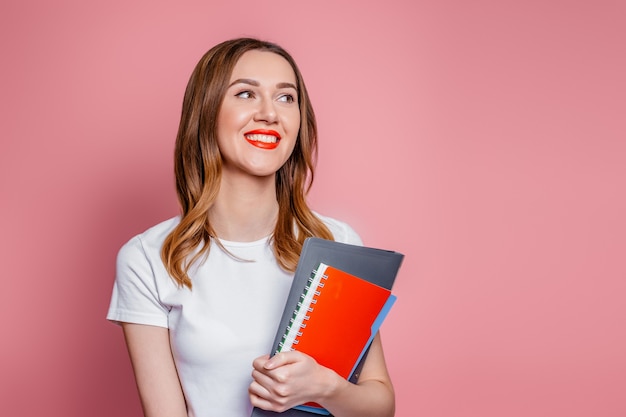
(218, 328)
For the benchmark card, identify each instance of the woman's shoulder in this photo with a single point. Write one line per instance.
(151, 240)
(342, 232)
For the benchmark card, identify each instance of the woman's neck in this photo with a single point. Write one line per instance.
(245, 210)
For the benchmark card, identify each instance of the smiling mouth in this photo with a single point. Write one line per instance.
(264, 139)
(261, 138)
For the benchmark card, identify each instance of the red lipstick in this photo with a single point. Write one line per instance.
(263, 138)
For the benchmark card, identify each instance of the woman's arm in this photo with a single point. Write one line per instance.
(155, 372)
(292, 378)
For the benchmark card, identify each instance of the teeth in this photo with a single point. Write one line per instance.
(262, 138)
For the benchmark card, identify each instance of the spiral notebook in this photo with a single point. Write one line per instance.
(337, 317)
(353, 273)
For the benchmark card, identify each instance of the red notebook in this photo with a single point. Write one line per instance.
(337, 317)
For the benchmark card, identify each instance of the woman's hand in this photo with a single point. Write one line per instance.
(289, 379)
(293, 378)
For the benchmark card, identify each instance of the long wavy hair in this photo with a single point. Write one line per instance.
(198, 166)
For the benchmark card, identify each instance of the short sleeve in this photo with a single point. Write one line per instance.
(351, 236)
(135, 297)
(342, 232)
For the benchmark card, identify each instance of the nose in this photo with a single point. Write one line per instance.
(266, 112)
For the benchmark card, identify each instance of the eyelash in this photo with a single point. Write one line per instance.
(289, 97)
(244, 92)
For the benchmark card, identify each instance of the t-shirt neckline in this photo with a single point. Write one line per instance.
(235, 244)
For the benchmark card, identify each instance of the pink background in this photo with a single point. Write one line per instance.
(484, 139)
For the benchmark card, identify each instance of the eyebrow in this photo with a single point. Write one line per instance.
(256, 83)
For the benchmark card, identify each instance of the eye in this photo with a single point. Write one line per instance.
(286, 98)
(244, 94)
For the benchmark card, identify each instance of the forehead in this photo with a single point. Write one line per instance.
(263, 66)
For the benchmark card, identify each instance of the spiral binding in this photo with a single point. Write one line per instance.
(302, 313)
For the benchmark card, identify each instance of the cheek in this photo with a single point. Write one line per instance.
(294, 123)
(229, 119)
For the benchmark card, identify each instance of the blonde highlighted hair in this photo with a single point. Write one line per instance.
(198, 163)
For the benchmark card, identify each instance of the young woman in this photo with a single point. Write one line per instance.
(199, 296)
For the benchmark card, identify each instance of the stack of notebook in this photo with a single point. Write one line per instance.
(338, 300)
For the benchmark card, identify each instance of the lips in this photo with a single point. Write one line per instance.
(262, 138)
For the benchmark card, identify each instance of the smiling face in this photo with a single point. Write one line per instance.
(259, 119)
